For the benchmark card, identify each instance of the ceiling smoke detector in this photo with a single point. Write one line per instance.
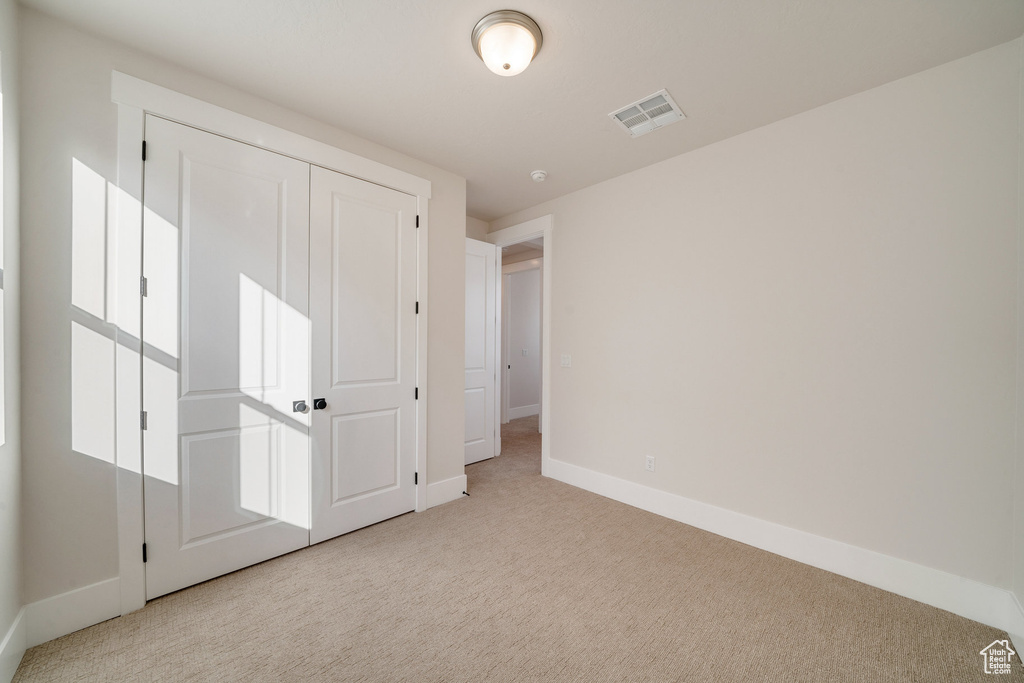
(645, 115)
(539, 176)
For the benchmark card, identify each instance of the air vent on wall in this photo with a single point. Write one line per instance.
(647, 114)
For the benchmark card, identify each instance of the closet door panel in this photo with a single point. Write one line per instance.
(226, 339)
(363, 307)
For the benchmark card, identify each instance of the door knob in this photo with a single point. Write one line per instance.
(298, 406)
(319, 403)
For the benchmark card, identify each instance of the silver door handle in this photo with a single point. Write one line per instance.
(298, 406)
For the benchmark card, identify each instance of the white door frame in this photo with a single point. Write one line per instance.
(499, 383)
(523, 232)
(134, 99)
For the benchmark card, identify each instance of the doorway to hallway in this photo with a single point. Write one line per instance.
(520, 459)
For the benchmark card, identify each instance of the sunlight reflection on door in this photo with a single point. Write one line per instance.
(259, 462)
(271, 457)
(273, 369)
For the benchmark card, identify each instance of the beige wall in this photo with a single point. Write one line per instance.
(812, 323)
(10, 451)
(476, 228)
(69, 505)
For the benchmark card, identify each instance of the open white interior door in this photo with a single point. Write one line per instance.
(226, 351)
(481, 317)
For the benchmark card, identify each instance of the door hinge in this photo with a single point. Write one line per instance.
(417, 308)
(416, 394)
(143, 420)
(417, 221)
(144, 556)
(143, 150)
(143, 286)
(416, 478)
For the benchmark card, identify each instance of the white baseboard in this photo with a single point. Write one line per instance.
(523, 411)
(1017, 637)
(1018, 643)
(12, 648)
(72, 611)
(441, 492)
(987, 604)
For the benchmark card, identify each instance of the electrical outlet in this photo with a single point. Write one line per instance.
(649, 464)
(566, 360)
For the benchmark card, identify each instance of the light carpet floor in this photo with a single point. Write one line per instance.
(528, 579)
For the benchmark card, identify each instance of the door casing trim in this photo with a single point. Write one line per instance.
(543, 226)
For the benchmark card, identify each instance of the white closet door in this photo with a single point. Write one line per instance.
(226, 340)
(363, 284)
(481, 317)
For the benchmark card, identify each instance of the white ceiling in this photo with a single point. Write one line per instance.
(403, 73)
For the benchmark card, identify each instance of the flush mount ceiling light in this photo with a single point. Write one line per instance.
(507, 41)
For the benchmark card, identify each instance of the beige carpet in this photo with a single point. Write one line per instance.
(528, 579)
